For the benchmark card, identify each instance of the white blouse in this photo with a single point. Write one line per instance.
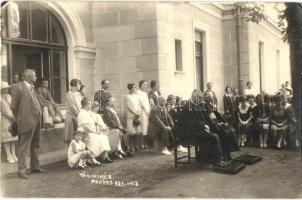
(144, 100)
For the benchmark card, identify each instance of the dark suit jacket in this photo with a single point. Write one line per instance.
(101, 97)
(191, 123)
(228, 105)
(26, 107)
(110, 119)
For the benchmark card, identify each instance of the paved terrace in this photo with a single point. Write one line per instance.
(277, 176)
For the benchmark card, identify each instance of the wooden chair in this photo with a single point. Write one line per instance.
(180, 159)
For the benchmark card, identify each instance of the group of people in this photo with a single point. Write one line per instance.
(101, 129)
(259, 116)
(95, 133)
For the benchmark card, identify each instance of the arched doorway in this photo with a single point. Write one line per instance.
(32, 37)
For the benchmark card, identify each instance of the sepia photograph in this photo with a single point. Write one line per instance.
(151, 99)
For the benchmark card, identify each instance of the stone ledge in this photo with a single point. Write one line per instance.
(45, 158)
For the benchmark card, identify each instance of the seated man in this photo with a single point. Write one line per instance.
(224, 130)
(48, 101)
(193, 129)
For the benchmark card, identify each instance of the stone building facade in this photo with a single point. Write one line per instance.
(129, 41)
(134, 41)
(182, 45)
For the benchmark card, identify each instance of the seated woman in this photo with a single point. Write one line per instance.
(192, 129)
(261, 117)
(225, 131)
(244, 116)
(161, 125)
(99, 140)
(112, 120)
(279, 117)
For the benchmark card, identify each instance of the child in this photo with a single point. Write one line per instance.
(78, 155)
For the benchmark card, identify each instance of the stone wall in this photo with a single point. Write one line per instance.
(273, 74)
(125, 36)
(179, 21)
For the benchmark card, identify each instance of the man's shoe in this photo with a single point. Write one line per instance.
(40, 170)
(22, 175)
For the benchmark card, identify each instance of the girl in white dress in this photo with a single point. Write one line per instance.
(145, 113)
(133, 113)
(78, 155)
(7, 118)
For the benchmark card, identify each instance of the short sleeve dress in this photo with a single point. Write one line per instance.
(6, 136)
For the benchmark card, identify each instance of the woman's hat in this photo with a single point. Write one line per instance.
(4, 85)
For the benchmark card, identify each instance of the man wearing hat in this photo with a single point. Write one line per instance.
(27, 110)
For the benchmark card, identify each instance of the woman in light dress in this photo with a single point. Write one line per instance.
(145, 113)
(7, 118)
(133, 114)
(97, 136)
(73, 100)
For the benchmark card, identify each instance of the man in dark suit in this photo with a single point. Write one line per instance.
(102, 95)
(27, 110)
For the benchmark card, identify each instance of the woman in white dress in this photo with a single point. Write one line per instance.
(73, 101)
(98, 138)
(145, 113)
(133, 114)
(7, 118)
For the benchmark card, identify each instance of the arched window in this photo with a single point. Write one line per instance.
(32, 37)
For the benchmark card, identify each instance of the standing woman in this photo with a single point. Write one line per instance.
(244, 114)
(228, 105)
(133, 115)
(154, 93)
(145, 113)
(279, 121)
(7, 118)
(73, 100)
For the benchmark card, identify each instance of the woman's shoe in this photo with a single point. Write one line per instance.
(122, 153)
(11, 160)
(107, 160)
(182, 149)
(265, 146)
(166, 152)
(118, 155)
(95, 162)
(279, 145)
(15, 158)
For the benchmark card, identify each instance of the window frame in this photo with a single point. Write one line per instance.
(178, 55)
(9, 41)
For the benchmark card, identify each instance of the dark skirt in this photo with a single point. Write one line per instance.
(228, 138)
(209, 148)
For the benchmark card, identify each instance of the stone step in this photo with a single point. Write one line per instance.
(45, 158)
